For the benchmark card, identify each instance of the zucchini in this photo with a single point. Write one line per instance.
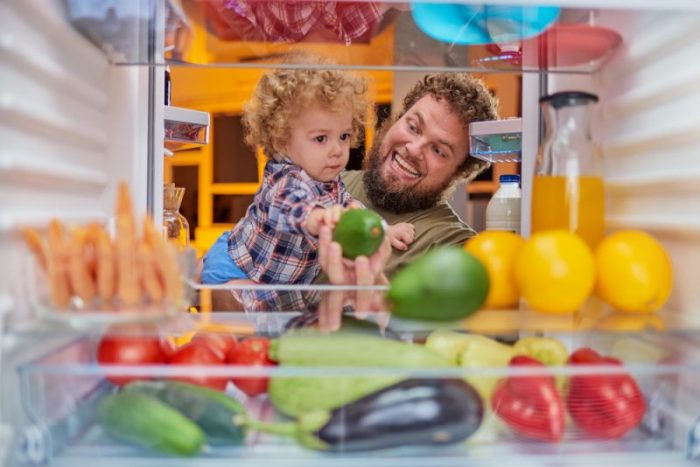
(145, 421)
(212, 410)
(297, 395)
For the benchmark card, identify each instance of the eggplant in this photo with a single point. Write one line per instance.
(409, 413)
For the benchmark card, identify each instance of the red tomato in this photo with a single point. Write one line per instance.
(252, 351)
(129, 350)
(198, 355)
(169, 348)
(221, 343)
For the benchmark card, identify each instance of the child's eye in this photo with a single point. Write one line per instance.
(321, 138)
(345, 136)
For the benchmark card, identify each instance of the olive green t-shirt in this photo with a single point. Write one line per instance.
(435, 226)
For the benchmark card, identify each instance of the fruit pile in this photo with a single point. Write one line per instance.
(141, 346)
(555, 271)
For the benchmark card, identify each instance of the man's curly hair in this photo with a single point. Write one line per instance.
(469, 99)
(283, 93)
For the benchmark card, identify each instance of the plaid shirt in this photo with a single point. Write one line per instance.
(270, 244)
(291, 21)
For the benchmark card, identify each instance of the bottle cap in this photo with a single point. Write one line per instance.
(509, 179)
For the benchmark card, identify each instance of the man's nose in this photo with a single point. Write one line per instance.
(415, 147)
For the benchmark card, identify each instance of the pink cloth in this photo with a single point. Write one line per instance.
(291, 21)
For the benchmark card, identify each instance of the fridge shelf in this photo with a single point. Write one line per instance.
(386, 35)
(185, 126)
(62, 389)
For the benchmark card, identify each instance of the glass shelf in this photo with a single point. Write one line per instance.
(387, 35)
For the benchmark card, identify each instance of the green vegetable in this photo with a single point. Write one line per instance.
(360, 232)
(297, 395)
(445, 284)
(147, 422)
(212, 410)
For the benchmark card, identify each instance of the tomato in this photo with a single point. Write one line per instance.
(196, 354)
(220, 342)
(253, 351)
(123, 349)
(169, 347)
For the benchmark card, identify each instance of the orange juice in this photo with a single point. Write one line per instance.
(573, 203)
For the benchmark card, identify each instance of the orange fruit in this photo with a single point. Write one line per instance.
(497, 251)
(634, 272)
(555, 271)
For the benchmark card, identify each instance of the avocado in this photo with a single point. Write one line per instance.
(359, 232)
(445, 284)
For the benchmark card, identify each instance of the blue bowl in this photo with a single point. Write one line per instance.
(481, 24)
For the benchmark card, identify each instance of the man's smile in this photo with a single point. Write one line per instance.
(403, 167)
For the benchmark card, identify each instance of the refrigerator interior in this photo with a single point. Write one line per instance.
(81, 109)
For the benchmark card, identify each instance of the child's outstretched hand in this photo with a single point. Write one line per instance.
(323, 216)
(401, 235)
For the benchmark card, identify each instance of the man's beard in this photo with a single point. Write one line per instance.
(395, 199)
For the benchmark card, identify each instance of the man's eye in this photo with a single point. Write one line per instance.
(438, 151)
(321, 139)
(412, 127)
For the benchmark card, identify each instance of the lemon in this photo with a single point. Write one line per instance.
(555, 271)
(634, 272)
(497, 251)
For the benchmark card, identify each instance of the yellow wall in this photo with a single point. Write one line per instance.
(225, 90)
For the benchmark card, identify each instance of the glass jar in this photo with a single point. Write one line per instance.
(175, 225)
(568, 190)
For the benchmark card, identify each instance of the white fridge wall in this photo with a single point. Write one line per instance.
(649, 128)
(71, 125)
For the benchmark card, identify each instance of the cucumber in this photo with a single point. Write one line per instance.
(212, 410)
(147, 422)
(298, 395)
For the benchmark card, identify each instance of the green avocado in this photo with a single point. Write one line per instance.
(359, 232)
(445, 284)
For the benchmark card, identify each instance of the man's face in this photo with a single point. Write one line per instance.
(415, 160)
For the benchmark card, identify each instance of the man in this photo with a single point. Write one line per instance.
(415, 159)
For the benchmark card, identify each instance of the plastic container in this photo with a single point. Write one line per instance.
(503, 211)
(62, 387)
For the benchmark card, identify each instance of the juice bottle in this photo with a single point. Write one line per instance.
(575, 204)
(568, 189)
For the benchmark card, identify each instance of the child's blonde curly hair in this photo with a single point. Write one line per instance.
(283, 93)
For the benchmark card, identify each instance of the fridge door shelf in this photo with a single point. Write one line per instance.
(62, 389)
(185, 126)
(497, 140)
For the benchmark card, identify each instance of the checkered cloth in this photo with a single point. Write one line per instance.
(291, 21)
(270, 244)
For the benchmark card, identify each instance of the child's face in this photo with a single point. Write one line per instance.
(320, 142)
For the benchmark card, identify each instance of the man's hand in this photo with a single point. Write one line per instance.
(361, 272)
(401, 235)
(319, 217)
